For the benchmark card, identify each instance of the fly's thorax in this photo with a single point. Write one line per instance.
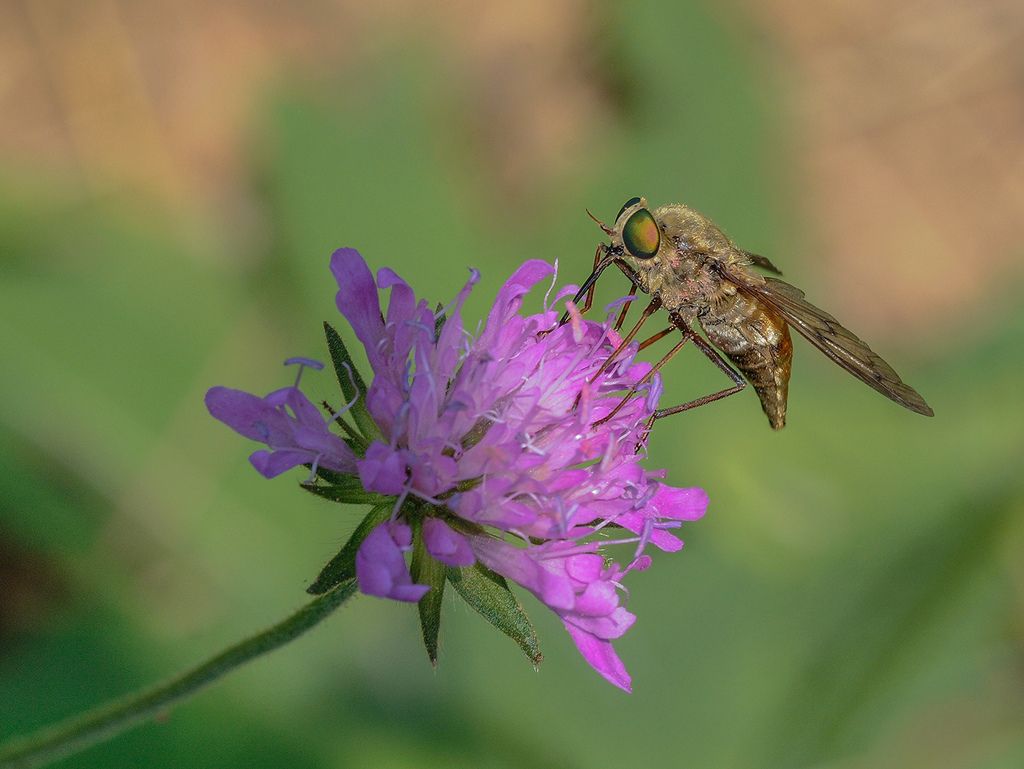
(686, 281)
(690, 230)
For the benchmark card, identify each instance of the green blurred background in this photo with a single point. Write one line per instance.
(173, 177)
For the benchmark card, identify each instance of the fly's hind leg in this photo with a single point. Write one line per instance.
(738, 382)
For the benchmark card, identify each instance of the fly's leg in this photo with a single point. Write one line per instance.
(589, 300)
(738, 383)
(647, 378)
(626, 305)
(712, 354)
(634, 284)
(591, 283)
(649, 310)
(656, 337)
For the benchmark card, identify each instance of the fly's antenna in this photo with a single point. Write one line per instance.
(607, 230)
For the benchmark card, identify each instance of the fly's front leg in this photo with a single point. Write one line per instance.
(625, 306)
(589, 300)
(634, 283)
(652, 307)
(589, 285)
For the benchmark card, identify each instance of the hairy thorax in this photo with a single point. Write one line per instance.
(691, 283)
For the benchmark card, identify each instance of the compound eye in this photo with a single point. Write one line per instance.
(627, 204)
(640, 235)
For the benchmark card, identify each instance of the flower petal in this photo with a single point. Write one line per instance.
(271, 464)
(636, 522)
(357, 300)
(680, 504)
(380, 565)
(510, 296)
(246, 414)
(607, 627)
(601, 656)
(446, 545)
(518, 565)
(382, 470)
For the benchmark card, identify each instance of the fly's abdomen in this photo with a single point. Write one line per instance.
(757, 341)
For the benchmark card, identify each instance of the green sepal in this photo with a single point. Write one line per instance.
(488, 593)
(327, 475)
(341, 359)
(439, 320)
(347, 489)
(425, 570)
(343, 565)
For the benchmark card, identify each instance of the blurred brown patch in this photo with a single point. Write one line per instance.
(32, 589)
(910, 117)
(532, 92)
(154, 97)
(147, 97)
(912, 147)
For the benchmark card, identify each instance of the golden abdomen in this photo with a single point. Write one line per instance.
(757, 341)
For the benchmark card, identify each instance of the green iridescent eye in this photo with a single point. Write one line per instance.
(640, 235)
(627, 204)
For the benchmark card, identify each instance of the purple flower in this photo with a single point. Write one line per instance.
(488, 428)
(489, 447)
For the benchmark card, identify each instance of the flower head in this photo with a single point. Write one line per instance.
(502, 448)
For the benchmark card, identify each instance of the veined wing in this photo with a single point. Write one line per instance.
(832, 338)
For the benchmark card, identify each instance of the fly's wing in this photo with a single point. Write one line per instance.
(832, 338)
(763, 262)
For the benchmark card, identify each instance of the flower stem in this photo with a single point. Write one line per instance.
(110, 719)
